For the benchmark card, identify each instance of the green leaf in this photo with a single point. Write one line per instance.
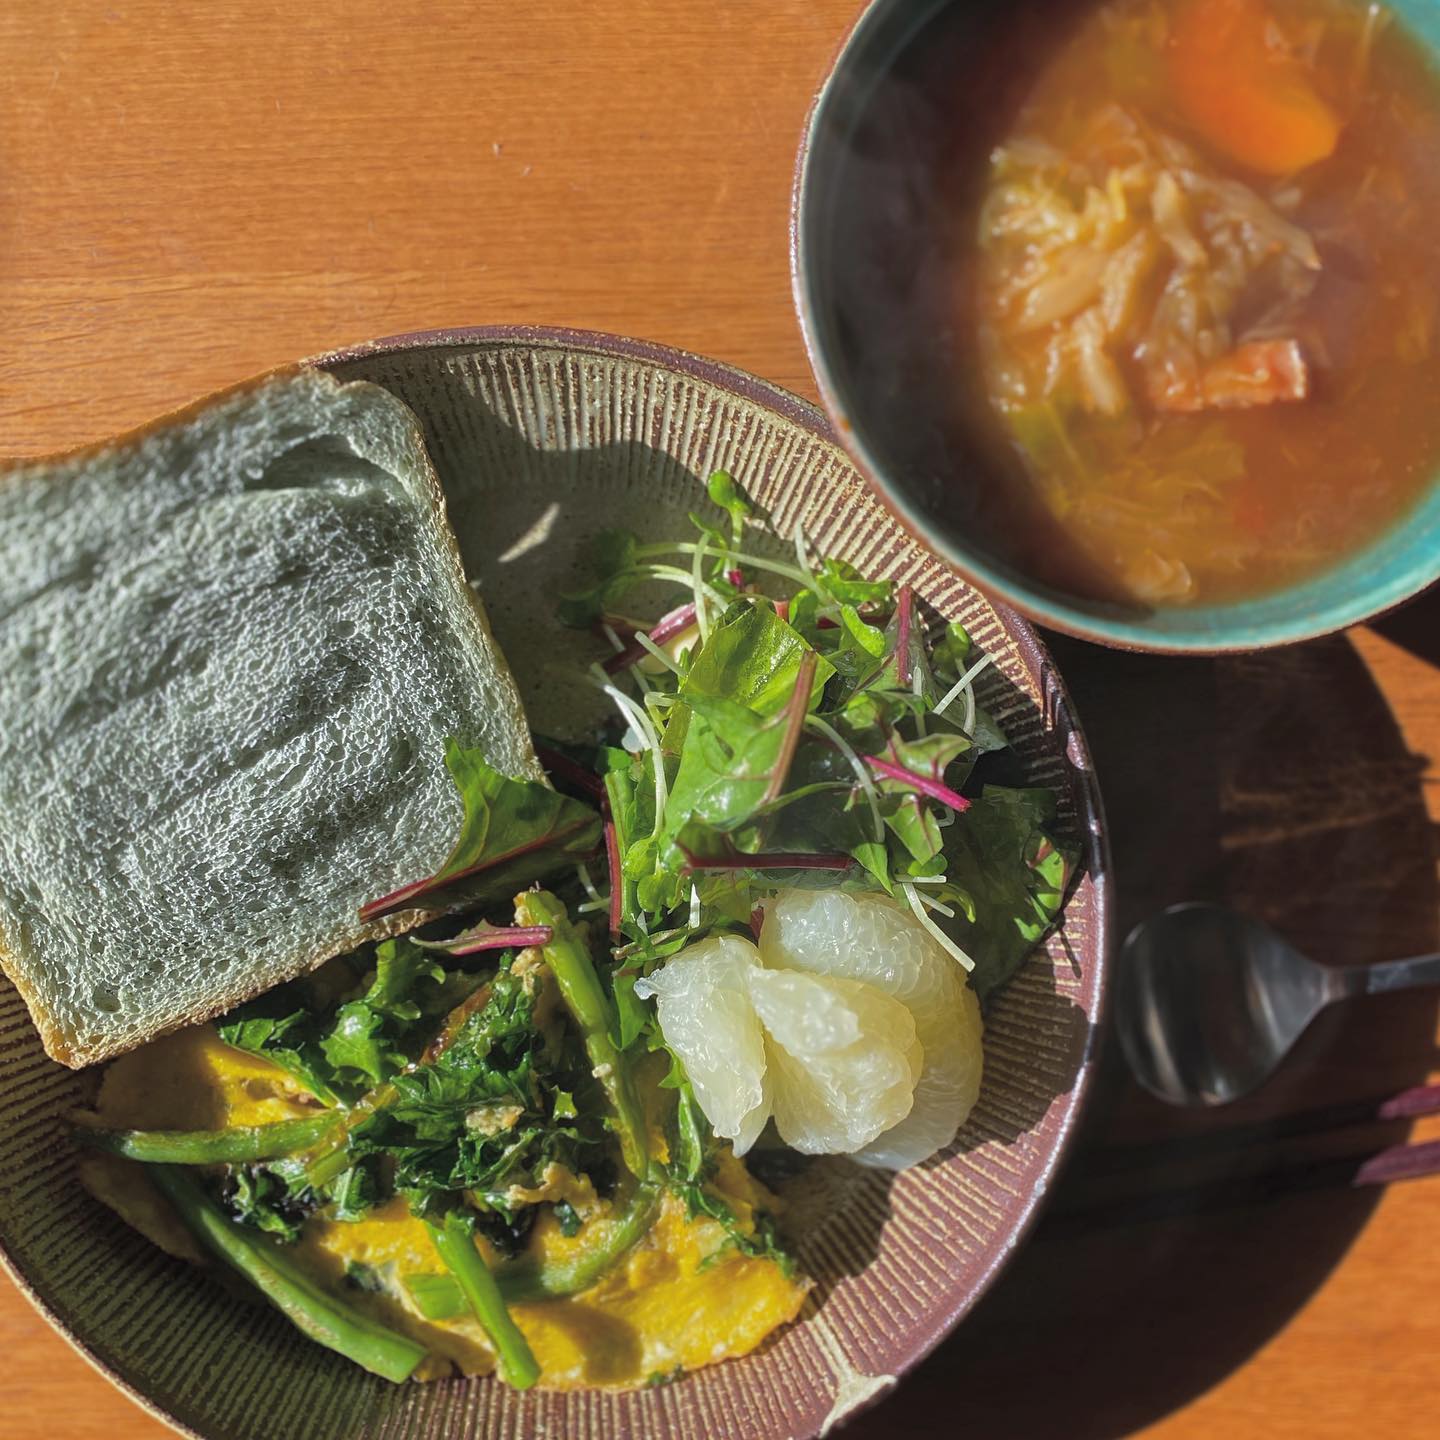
(376, 1035)
(752, 658)
(612, 553)
(854, 647)
(358, 1043)
(950, 655)
(611, 558)
(824, 813)
(355, 1193)
(649, 950)
(986, 733)
(743, 726)
(262, 1198)
(725, 493)
(726, 895)
(513, 833)
(868, 639)
(803, 616)
(719, 543)
(279, 1027)
(759, 1241)
(912, 821)
(930, 756)
(909, 813)
(1002, 856)
(400, 967)
(692, 1132)
(730, 755)
(661, 890)
(842, 584)
(875, 858)
(631, 1014)
(621, 787)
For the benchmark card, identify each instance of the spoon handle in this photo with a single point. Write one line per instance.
(1411, 974)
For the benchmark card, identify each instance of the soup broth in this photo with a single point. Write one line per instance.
(1199, 284)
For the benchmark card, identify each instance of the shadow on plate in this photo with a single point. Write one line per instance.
(1278, 783)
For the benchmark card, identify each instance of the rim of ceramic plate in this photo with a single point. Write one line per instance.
(1090, 814)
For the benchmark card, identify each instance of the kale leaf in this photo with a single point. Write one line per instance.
(339, 1056)
(280, 1026)
(263, 1198)
(484, 1116)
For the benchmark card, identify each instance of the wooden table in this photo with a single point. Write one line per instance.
(191, 193)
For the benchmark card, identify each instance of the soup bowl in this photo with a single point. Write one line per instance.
(868, 256)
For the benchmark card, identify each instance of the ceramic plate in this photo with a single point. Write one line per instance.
(541, 437)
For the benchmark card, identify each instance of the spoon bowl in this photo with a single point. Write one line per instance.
(1209, 1002)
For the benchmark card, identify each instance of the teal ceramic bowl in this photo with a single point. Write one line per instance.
(864, 244)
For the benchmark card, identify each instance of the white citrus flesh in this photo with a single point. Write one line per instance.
(848, 1024)
(873, 939)
(703, 1001)
(843, 1058)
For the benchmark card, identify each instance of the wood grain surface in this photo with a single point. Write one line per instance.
(191, 193)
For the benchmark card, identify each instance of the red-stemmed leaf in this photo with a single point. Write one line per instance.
(485, 936)
(512, 833)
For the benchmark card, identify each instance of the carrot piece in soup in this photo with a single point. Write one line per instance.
(1237, 84)
(1260, 372)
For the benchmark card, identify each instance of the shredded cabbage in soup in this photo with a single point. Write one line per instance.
(1169, 247)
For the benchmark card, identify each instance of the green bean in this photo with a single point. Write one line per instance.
(438, 1297)
(569, 960)
(528, 1279)
(332, 1157)
(311, 1309)
(454, 1242)
(238, 1145)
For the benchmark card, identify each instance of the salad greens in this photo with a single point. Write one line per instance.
(1015, 878)
(815, 731)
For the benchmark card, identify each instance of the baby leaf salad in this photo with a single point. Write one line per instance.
(823, 739)
(780, 889)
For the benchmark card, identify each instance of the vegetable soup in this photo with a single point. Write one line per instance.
(1202, 286)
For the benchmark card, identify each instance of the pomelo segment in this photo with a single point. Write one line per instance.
(874, 939)
(849, 1025)
(703, 1001)
(843, 1057)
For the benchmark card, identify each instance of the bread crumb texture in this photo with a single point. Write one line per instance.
(231, 648)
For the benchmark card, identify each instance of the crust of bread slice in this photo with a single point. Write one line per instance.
(231, 645)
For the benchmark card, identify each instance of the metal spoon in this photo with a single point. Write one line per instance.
(1209, 1002)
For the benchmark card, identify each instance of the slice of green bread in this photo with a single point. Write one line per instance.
(231, 648)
